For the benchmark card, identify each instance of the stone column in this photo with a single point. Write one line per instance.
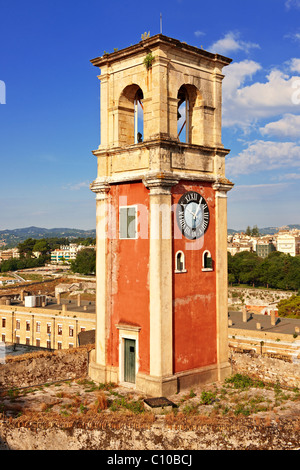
(221, 278)
(159, 103)
(244, 311)
(217, 101)
(273, 318)
(104, 118)
(160, 280)
(98, 367)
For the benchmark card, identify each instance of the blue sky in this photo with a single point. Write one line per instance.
(49, 95)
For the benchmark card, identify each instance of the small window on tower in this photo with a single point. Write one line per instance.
(207, 262)
(180, 262)
(128, 222)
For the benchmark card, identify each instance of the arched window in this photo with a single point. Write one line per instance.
(130, 116)
(183, 115)
(138, 117)
(180, 262)
(207, 262)
(190, 115)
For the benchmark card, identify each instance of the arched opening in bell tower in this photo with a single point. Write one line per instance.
(190, 115)
(138, 117)
(183, 115)
(131, 116)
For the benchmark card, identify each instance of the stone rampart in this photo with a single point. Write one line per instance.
(43, 367)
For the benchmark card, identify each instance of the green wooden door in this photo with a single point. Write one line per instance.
(129, 360)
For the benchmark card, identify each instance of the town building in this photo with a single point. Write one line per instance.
(161, 218)
(8, 254)
(288, 243)
(66, 253)
(46, 323)
(264, 248)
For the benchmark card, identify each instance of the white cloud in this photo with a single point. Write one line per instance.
(294, 36)
(264, 156)
(288, 126)
(236, 75)
(199, 33)
(295, 64)
(292, 3)
(231, 43)
(245, 105)
(290, 176)
(249, 192)
(77, 186)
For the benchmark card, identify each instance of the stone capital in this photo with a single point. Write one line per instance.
(160, 183)
(101, 188)
(222, 187)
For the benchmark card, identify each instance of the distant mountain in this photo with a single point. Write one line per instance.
(267, 230)
(15, 236)
(12, 237)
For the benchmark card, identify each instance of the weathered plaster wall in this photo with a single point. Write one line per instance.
(195, 314)
(189, 434)
(38, 368)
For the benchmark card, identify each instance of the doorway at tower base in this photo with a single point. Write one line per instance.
(161, 386)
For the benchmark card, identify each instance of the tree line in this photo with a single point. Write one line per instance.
(277, 271)
(44, 246)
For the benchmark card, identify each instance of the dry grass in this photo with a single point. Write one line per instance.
(100, 404)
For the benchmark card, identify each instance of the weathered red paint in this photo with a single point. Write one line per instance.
(194, 292)
(129, 280)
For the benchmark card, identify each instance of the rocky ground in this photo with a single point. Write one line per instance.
(239, 413)
(237, 396)
(240, 296)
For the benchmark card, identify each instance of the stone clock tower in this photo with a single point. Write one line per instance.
(161, 219)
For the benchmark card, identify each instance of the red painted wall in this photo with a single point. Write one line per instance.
(129, 280)
(194, 292)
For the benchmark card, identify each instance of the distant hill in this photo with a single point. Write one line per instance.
(15, 236)
(267, 230)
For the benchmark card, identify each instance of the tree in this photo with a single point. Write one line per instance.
(274, 270)
(289, 307)
(255, 231)
(25, 248)
(41, 246)
(245, 267)
(85, 262)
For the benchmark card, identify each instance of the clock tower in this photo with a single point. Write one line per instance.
(161, 219)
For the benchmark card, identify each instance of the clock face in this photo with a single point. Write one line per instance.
(192, 215)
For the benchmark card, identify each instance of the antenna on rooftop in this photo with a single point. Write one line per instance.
(160, 23)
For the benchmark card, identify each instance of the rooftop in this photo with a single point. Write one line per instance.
(86, 306)
(282, 326)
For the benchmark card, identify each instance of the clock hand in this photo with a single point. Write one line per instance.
(190, 212)
(199, 207)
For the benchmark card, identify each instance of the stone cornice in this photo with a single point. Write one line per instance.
(175, 146)
(155, 41)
